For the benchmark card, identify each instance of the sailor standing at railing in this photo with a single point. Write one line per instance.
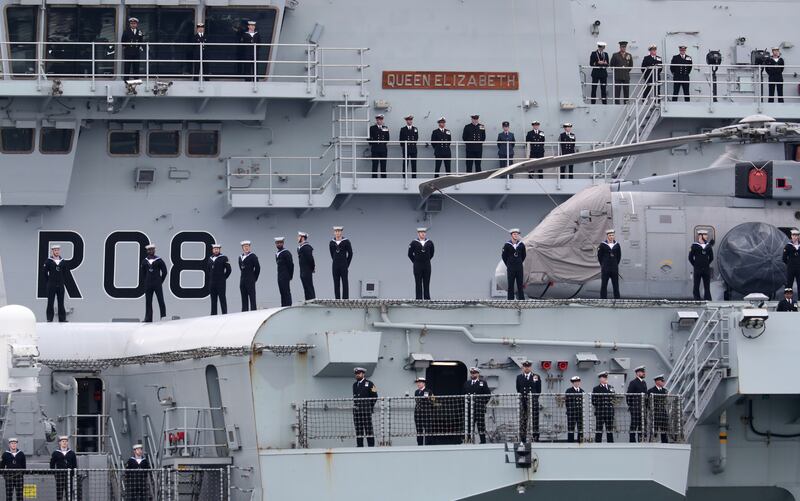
(365, 394)
(423, 413)
(513, 256)
(787, 303)
(420, 252)
(63, 458)
(341, 256)
(609, 255)
(249, 269)
(529, 386)
(136, 476)
(13, 459)
(774, 66)
(505, 146)
(198, 52)
(535, 137)
(622, 62)
(658, 398)
(249, 40)
(285, 265)
(573, 401)
(479, 392)
(409, 135)
(681, 67)
(378, 139)
(598, 60)
(701, 255)
(132, 48)
(603, 403)
(637, 389)
(566, 146)
(305, 260)
(791, 258)
(474, 135)
(440, 138)
(651, 71)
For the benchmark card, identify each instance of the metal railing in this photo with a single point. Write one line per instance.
(582, 417)
(190, 432)
(89, 432)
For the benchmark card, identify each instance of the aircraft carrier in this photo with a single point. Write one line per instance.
(236, 142)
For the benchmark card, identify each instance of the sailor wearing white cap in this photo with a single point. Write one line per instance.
(573, 401)
(63, 458)
(535, 137)
(423, 412)
(529, 386)
(603, 403)
(609, 254)
(701, 255)
(791, 257)
(474, 134)
(637, 389)
(658, 396)
(420, 252)
(566, 146)
(153, 271)
(681, 67)
(305, 260)
(774, 66)
(249, 270)
(250, 37)
(136, 479)
(341, 255)
(219, 269)
(787, 303)
(409, 135)
(440, 139)
(285, 265)
(56, 273)
(378, 139)
(598, 60)
(198, 51)
(132, 48)
(365, 394)
(13, 459)
(513, 255)
(480, 393)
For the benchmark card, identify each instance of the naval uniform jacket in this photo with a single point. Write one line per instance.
(131, 40)
(573, 401)
(622, 64)
(305, 258)
(341, 252)
(249, 268)
(424, 401)
(56, 271)
(420, 252)
(680, 67)
(505, 145)
(249, 38)
(636, 386)
(648, 62)
(480, 389)
(410, 135)
(63, 460)
(378, 136)
(140, 464)
(528, 383)
(609, 256)
(199, 47)
(513, 255)
(154, 272)
(475, 133)
(659, 399)
(784, 305)
(11, 461)
(219, 269)
(599, 70)
(536, 140)
(774, 68)
(701, 256)
(791, 256)
(566, 142)
(283, 258)
(441, 150)
(365, 394)
(603, 400)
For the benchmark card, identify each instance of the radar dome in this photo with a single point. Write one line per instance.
(18, 321)
(750, 258)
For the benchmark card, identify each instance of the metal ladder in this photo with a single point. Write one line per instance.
(634, 124)
(702, 364)
(349, 128)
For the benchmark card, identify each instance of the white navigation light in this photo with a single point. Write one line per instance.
(753, 318)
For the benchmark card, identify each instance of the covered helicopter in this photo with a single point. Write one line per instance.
(743, 200)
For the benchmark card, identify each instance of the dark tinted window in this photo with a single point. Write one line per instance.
(80, 24)
(55, 140)
(13, 140)
(164, 143)
(123, 142)
(21, 25)
(204, 143)
(171, 26)
(224, 25)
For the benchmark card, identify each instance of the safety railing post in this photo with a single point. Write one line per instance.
(92, 85)
(255, 67)
(308, 69)
(201, 76)
(386, 424)
(185, 432)
(310, 183)
(354, 161)
(269, 195)
(467, 418)
(146, 66)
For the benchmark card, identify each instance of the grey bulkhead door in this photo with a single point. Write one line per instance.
(666, 255)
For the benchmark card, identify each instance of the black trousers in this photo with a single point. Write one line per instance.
(775, 87)
(438, 164)
(574, 422)
(148, 302)
(566, 169)
(410, 161)
(307, 279)
(604, 418)
(362, 420)
(422, 280)
(537, 154)
(248, 291)
(197, 66)
(680, 85)
(604, 278)
(14, 483)
(636, 422)
(130, 68)
(340, 281)
(514, 278)
(217, 292)
(792, 276)
(422, 421)
(705, 276)
(63, 487)
(285, 291)
(474, 158)
(661, 424)
(621, 92)
(478, 419)
(524, 409)
(53, 292)
(599, 82)
(378, 163)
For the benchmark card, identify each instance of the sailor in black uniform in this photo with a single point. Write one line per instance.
(249, 269)
(651, 71)
(513, 256)
(609, 254)
(219, 269)
(474, 135)
(199, 64)
(440, 139)
(701, 255)
(423, 413)
(598, 60)
(136, 475)
(535, 138)
(566, 146)
(573, 401)
(787, 303)
(365, 394)
(341, 255)
(480, 393)
(658, 398)
(681, 67)
(603, 403)
(132, 48)
(63, 458)
(13, 459)
(248, 48)
(420, 252)
(305, 259)
(285, 264)
(409, 135)
(505, 146)
(774, 66)
(378, 137)
(529, 386)
(791, 257)
(637, 389)
(55, 272)
(153, 272)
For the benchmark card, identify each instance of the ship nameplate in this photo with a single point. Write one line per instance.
(466, 80)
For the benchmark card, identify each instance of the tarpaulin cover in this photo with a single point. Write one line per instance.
(750, 258)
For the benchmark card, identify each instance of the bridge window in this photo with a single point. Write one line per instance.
(203, 143)
(55, 141)
(164, 143)
(81, 24)
(123, 143)
(21, 23)
(171, 26)
(224, 25)
(13, 140)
